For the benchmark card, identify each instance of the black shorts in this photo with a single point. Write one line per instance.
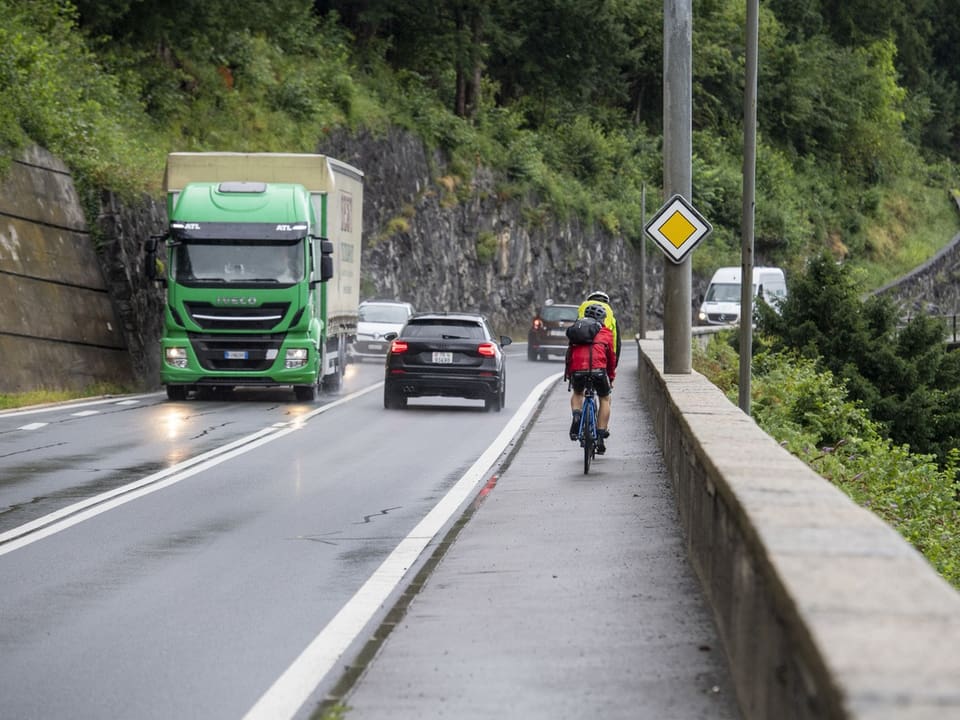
(601, 383)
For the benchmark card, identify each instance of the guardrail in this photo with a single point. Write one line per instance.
(823, 609)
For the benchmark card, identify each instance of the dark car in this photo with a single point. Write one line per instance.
(548, 331)
(446, 354)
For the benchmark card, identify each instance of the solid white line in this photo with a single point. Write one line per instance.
(71, 515)
(291, 690)
(72, 405)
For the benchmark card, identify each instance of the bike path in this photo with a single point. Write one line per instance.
(563, 595)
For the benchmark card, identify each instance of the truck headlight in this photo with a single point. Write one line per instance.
(296, 357)
(177, 356)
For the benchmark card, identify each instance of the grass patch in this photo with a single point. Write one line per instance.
(45, 396)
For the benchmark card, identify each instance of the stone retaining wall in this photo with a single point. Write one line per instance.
(58, 328)
(824, 610)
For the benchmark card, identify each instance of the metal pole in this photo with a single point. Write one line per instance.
(749, 204)
(643, 262)
(677, 175)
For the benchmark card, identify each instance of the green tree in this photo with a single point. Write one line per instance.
(904, 376)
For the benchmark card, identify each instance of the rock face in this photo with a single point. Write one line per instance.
(443, 245)
(138, 302)
(427, 239)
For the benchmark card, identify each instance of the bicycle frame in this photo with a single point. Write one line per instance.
(588, 425)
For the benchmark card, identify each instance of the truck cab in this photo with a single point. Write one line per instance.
(261, 269)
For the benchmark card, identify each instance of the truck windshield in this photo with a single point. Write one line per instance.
(242, 263)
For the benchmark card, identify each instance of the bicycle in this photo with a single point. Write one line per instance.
(587, 434)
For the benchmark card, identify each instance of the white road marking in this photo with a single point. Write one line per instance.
(85, 413)
(61, 407)
(32, 426)
(71, 515)
(292, 689)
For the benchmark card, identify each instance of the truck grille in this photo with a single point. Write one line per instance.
(213, 317)
(249, 353)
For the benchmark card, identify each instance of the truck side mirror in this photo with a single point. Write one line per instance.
(153, 265)
(326, 260)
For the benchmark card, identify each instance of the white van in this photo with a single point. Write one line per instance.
(721, 303)
(376, 320)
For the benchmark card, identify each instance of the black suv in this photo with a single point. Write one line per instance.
(548, 331)
(446, 354)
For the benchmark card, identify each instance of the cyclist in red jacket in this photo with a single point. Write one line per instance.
(598, 358)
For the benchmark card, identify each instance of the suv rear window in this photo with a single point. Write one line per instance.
(444, 328)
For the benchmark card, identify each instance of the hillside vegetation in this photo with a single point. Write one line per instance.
(857, 103)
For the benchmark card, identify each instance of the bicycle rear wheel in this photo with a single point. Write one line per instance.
(589, 435)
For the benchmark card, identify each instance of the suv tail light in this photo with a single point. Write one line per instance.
(487, 349)
(398, 346)
(537, 324)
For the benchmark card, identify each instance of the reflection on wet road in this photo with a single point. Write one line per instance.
(173, 559)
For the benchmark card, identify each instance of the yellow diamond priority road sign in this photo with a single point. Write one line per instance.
(677, 228)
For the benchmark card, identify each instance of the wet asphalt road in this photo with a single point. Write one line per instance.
(164, 559)
(563, 596)
(219, 539)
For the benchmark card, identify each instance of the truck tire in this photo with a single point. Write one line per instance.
(305, 393)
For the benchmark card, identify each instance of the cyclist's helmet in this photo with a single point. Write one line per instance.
(599, 295)
(596, 312)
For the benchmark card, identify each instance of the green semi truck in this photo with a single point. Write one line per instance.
(261, 265)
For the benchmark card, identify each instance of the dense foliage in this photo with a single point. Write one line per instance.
(809, 410)
(856, 104)
(903, 374)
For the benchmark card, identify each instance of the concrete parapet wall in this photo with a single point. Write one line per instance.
(58, 328)
(824, 610)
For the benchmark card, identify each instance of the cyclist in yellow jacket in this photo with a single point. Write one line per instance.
(597, 297)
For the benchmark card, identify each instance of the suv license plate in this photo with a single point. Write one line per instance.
(234, 354)
(443, 358)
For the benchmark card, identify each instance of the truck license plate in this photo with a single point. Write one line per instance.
(234, 354)
(443, 358)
